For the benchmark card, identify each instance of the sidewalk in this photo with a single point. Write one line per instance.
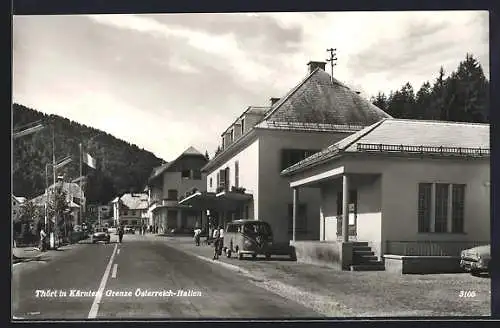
(355, 294)
(27, 254)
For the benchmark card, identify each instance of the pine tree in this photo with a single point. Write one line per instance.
(380, 101)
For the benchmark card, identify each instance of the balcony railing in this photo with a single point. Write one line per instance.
(456, 151)
(430, 248)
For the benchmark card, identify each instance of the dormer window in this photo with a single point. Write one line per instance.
(242, 126)
(231, 138)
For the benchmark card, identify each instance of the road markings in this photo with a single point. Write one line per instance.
(115, 268)
(97, 299)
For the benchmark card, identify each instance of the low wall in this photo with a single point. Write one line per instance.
(332, 254)
(421, 264)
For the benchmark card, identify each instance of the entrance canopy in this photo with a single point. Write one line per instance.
(203, 200)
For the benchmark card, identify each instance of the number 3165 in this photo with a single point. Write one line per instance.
(467, 293)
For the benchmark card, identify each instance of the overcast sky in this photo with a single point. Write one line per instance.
(169, 81)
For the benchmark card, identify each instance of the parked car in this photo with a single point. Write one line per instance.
(100, 234)
(129, 229)
(476, 260)
(252, 237)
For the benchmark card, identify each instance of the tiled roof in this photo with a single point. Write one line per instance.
(317, 100)
(136, 201)
(157, 171)
(191, 151)
(315, 104)
(407, 134)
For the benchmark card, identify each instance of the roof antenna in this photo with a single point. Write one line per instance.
(332, 59)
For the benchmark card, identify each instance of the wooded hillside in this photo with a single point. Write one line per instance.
(121, 166)
(461, 96)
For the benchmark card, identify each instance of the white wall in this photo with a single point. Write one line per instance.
(400, 197)
(248, 159)
(174, 180)
(274, 190)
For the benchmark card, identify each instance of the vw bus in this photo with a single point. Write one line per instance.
(248, 237)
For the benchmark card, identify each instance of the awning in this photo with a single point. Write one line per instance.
(210, 200)
(234, 196)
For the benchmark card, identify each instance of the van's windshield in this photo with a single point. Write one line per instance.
(257, 229)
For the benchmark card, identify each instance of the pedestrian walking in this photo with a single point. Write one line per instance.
(215, 237)
(197, 233)
(43, 235)
(120, 234)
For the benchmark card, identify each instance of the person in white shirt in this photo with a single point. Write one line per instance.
(197, 233)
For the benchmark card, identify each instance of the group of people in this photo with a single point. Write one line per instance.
(217, 237)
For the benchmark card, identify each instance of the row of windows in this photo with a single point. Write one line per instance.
(191, 174)
(447, 214)
(288, 158)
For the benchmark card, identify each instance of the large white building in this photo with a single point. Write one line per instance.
(244, 181)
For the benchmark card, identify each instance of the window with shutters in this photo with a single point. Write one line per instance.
(438, 217)
(210, 183)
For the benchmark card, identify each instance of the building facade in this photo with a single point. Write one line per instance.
(130, 210)
(243, 179)
(414, 188)
(75, 198)
(167, 185)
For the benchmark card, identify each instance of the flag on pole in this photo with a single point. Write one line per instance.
(89, 160)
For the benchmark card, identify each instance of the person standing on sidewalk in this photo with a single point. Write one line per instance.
(216, 243)
(221, 239)
(197, 233)
(43, 235)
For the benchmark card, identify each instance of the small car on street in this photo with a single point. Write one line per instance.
(129, 229)
(100, 235)
(476, 260)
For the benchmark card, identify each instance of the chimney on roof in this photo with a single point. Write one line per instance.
(274, 100)
(316, 64)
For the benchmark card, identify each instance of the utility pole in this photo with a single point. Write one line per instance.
(332, 59)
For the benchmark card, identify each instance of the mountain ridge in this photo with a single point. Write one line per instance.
(121, 165)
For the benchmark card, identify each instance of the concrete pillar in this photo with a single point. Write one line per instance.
(179, 219)
(295, 210)
(345, 208)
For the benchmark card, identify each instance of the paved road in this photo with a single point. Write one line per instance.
(140, 265)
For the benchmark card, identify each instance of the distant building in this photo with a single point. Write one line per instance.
(75, 198)
(171, 182)
(130, 209)
(17, 204)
